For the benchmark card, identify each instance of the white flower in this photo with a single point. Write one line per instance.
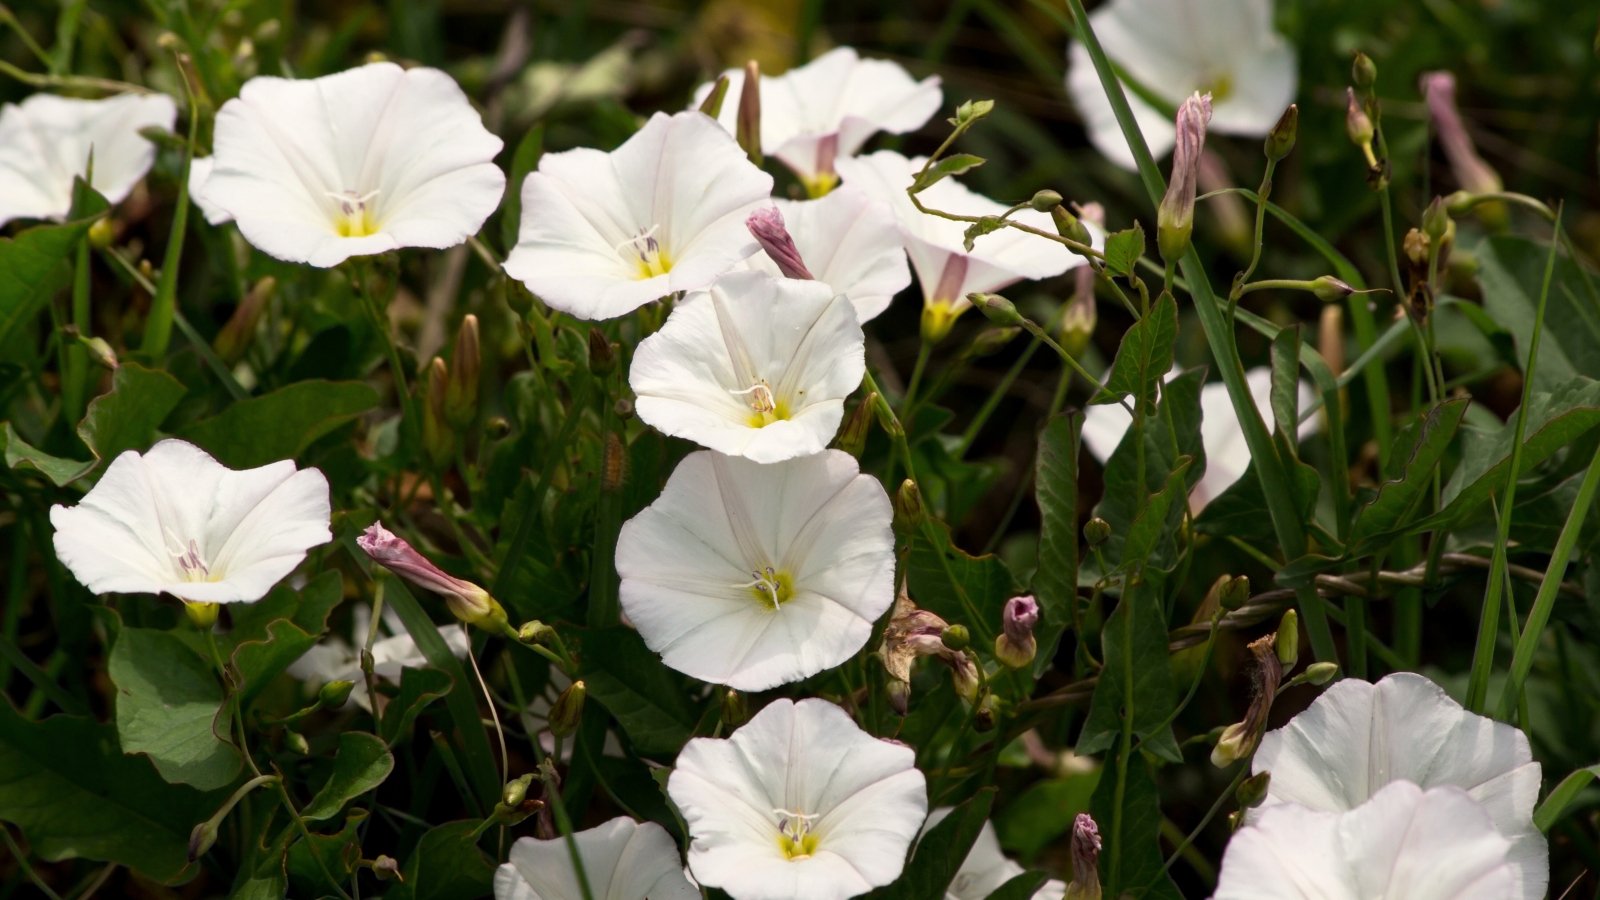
(945, 269)
(332, 659)
(173, 520)
(622, 860)
(199, 173)
(1227, 454)
(1173, 48)
(849, 242)
(364, 161)
(1358, 737)
(1403, 844)
(757, 367)
(799, 804)
(754, 576)
(605, 233)
(986, 868)
(46, 141)
(828, 108)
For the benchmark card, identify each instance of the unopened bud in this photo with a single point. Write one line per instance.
(516, 790)
(1415, 246)
(971, 111)
(438, 438)
(1435, 220)
(296, 742)
(568, 709)
(1289, 639)
(201, 839)
(1085, 884)
(101, 233)
(1045, 200)
(100, 352)
(748, 128)
(1235, 593)
(1329, 289)
(734, 709)
(536, 632)
(908, 506)
(1070, 226)
(1175, 214)
(1363, 73)
(963, 675)
(987, 713)
(991, 340)
(602, 356)
(202, 615)
(712, 104)
(467, 601)
(1079, 320)
(1253, 790)
(386, 868)
(623, 408)
(1096, 531)
(1015, 646)
(466, 361)
(998, 309)
(956, 637)
(853, 434)
(1357, 125)
(497, 427)
(239, 333)
(334, 694)
(766, 226)
(1320, 673)
(1280, 140)
(1235, 744)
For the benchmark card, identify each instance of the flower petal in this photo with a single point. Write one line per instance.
(48, 140)
(622, 860)
(850, 243)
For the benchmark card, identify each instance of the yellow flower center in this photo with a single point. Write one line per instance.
(646, 254)
(820, 184)
(354, 218)
(795, 837)
(765, 406)
(1219, 87)
(771, 587)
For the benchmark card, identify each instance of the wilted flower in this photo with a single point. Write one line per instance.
(756, 366)
(364, 161)
(947, 271)
(1241, 738)
(1227, 454)
(1173, 48)
(605, 233)
(849, 242)
(986, 867)
(46, 141)
(1472, 173)
(913, 633)
(825, 110)
(1405, 842)
(332, 659)
(1358, 737)
(173, 520)
(799, 802)
(756, 575)
(467, 601)
(1175, 215)
(622, 860)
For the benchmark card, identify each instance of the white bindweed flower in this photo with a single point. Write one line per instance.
(986, 867)
(756, 366)
(848, 242)
(173, 520)
(1227, 454)
(1358, 737)
(798, 804)
(1402, 844)
(946, 270)
(603, 234)
(46, 141)
(622, 860)
(1173, 48)
(756, 575)
(332, 659)
(364, 161)
(826, 110)
(199, 173)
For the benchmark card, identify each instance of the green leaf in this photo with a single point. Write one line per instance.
(985, 581)
(1562, 797)
(282, 424)
(1131, 863)
(74, 794)
(1173, 433)
(984, 225)
(1144, 356)
(630, 681)
(1044, 812)
(1511, 271)
(1055, 582)
(1123, 250)
(308, 608)
(1022, 887)
(1152, 521)
(20, 455)
(1397, 499)
(418, 689)
(257, 662)
(940, 853)
(33, 266)
(1136, 682)
(446, 865)
(310, 861)
(169, 707)
(954, 164)
(1241, 510)
(362, 763)
(127, 416)
(1285, 391)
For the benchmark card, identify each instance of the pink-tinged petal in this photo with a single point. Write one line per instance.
(849, 242)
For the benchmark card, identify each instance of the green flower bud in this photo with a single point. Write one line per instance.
(516, 790)
(987, 714)
(1357, 125)
(1363, 73)
(386, 868)
(1045, 200)
(1320, 673)
(908, 504)
(1329, 289)
(853, 434)
(101, 233)
(1096, 531)
(438, 438)
(748, 127)
(1070, 226)
(201, 839)
(734, 709)
(971, 111)
(1235, 594)
(466, 361)
(202, 615)
(1253, 790)
(568, 709)
(712, 105)
(998, 309)
(1280, 140)
(536, 632)
(955, 637)
(334, 694)
(1289, 639)
(1435, 219)
(296, 742)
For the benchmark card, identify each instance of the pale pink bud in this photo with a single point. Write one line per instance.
(467, 601)
(1175, 216)
(1473, 174)
(767, 226)
(1015, 645)
(1085, 860)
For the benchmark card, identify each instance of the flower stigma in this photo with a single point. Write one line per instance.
(355, 217)
(770, 586)
(795, 837)
(190, 564)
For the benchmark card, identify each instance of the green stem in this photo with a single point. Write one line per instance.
(75, 380)
(533, 510)
(908, 403)
(990, 403)
(164, 305)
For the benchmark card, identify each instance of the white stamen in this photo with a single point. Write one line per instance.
(761, 400)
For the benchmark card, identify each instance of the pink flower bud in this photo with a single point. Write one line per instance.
(1085, 860)
(767, 226)
(1175, 216)
(467, 601)
(1473, 174)
(1015, 646)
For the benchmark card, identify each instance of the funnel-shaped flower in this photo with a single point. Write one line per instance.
(46, 141)
(754, 576)
(364, 161)
(1358, 737)
(467, 601)
(605, 233)
(332, 659)
(849, 242)
(173, 520)
(828, 108)
(798, 803)
(1227, 455)
(1403, 842)
(1172, 48)
(986, 867)
(756, 367)
(622, 860)
(199, 173)
(947, 271)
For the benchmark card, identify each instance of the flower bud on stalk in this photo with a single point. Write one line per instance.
(908, 504)
(712, 105)
(1253, 790)
(466, 361)
(956, 637)
(536, 632)
(386, 868)
(235, 337)
(1363, 74)
(1070, 226)
(1358, 126)
(438, 438)
(913, 633)
(734, 709)
(1086, 845)
(748, 128)
(1320, 673)
(1239, 740)
(1044, 201)
(1096, 531)
(568, 709)
(853, 434)
(1329, 289)
(1016, 646)
(1280, 140)
(1235, 593)
(1175, 215)
(467, 601)
(766, 226)
(992, 340)
(998, 309)
(334, 694)
(1288, 643)
(201, 615)
(987, 713)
